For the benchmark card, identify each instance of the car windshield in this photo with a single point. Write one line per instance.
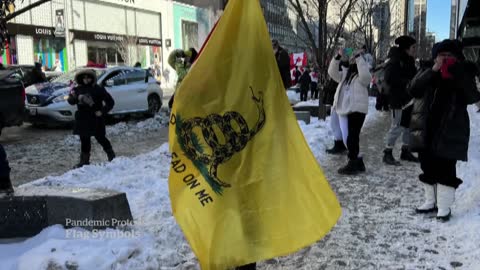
(70, 76)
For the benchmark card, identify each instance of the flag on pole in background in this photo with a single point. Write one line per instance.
(298, 59)
(244, 183)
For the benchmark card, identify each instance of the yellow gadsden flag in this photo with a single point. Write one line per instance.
(244, 184)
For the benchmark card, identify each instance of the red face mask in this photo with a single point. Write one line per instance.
(447, 63)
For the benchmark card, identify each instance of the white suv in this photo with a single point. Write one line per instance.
(133, 89)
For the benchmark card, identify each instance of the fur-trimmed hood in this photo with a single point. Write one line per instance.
(85, 72)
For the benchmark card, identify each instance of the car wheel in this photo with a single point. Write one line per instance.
(154, 105)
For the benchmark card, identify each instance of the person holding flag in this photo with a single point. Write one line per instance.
(240, 163)
(181, 61)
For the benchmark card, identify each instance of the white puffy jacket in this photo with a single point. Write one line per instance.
(357, 98)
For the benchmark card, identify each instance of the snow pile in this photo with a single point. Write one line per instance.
(129, 129)
(293, 97)
(466, 222)
(155, 240)
(155, 123)
(312, 102)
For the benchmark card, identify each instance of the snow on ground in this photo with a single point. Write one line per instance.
(293, 97)
(129, 129)
(311, 102)
(156, 242)
(56, 151)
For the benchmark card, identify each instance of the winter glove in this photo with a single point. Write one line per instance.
(98, 113)
(86, 99)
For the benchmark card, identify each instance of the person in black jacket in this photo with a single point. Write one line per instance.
(93, 103)
(399, 71)
(37, 74)
(440, 126)
(283, 62)
(6, 187)
(305, 81)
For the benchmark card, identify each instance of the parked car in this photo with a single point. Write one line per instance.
(134, 91)
(25, 71)
(12, 99)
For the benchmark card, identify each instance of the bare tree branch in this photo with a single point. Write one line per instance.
(127, 48)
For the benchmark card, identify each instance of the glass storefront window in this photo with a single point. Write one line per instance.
(189, 35)
(104, 53)
(51, 53)
(9, 56)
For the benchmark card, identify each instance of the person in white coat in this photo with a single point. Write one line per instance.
(351, 103)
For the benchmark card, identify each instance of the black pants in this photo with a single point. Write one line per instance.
(4, 167)
(438, 170)
(87, 143)
(314, 89)
(355, 124)
(252, 266)
(303, 93)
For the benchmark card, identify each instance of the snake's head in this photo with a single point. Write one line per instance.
(255, 98)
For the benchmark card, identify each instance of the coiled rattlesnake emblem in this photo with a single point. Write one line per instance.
(235, 139)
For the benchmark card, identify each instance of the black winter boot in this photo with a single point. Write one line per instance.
(110, 154)
(6, 187)
(361, 165)
(84, 160)
(353, 167)
(388, 157)
(407, 155)
(338, 148)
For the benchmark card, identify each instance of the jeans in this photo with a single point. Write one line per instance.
(396, 130)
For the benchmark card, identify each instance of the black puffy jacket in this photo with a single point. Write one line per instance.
(440, 122)
(399, 71)
(86, 122)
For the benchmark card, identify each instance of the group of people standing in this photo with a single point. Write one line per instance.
(308, 80)
(428, 110)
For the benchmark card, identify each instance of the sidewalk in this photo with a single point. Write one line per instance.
(379, 228)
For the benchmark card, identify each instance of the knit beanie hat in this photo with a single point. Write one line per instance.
(405, 42)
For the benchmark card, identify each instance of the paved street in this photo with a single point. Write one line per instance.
(34, 153)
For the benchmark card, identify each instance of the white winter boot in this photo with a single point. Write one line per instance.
(445, 199)
(429, 205)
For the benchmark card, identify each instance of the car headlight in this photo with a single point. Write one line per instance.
(60, 98)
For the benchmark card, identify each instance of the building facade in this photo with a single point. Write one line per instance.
(453, 19)
(420, 29)
(381, 21)
(110, 32)
(282, 24)
(100, 32)
(467, 27)
(399, 17)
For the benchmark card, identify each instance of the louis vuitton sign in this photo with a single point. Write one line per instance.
(106, 37)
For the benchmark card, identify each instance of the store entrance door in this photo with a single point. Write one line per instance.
(104, 54)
